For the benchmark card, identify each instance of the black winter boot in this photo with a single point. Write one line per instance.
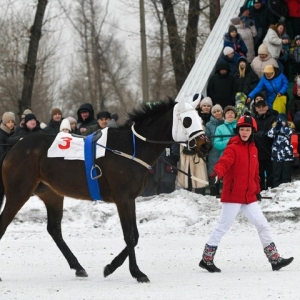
(207, 261)
(274, 258)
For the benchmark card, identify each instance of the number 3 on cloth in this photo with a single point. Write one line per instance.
(67, 143)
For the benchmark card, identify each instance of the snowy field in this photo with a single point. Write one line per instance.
(173, 230)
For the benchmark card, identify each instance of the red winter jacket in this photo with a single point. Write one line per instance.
(238, 166)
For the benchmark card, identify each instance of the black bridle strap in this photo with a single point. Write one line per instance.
(185, 173)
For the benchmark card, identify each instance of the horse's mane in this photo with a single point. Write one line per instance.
(150, 109)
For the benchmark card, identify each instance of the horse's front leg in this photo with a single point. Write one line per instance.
(116, 262)
(128, 221)
(54, 206)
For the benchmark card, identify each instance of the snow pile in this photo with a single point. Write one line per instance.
(179, 212)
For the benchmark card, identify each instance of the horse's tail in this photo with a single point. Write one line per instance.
(2, 191)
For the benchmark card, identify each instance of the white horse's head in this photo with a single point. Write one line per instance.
(187, 126)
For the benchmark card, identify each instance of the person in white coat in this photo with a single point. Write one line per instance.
(262, 59)
(273, 40)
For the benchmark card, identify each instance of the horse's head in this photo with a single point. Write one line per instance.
(187, 126)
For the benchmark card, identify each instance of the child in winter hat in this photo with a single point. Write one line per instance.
(295, 55)
(282, 150)
(65, 126)
(73, 124)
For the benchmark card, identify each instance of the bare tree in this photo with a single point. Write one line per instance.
(183, 57)
(14, 40)
(30, 66)
(102, 74)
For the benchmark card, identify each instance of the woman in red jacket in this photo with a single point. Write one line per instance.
(238, 166)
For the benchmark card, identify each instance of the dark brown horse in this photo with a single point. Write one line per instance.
(26, 169)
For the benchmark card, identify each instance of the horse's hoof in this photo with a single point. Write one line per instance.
(143, 279)
(106, 271)
(81, 273)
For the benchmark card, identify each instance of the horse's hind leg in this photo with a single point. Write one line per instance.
(131, 236)
(54, 206)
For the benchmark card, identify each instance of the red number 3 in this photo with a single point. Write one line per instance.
(67, 144)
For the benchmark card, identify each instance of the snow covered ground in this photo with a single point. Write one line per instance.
(173, 230)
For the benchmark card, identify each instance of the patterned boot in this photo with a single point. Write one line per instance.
(207, 261)
(274, 258)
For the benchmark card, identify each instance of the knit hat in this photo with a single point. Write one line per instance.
(235, 21)
(231, 28)
(229, 107)
(259, 95)
(242, 58)
(114, 116)
(282, 118)
(297, 38)
(65, 124)
(72, 120)
(243, 9)
(263, 49)
(29, 117)
(8, 116)
(257, 1)
(56, 111)
(207, 101)
(269, 69)
(26, 112)
(103, 114)
(216, 107)
(286, 36)
(227, 50)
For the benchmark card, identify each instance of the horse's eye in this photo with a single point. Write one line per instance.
(187, 122)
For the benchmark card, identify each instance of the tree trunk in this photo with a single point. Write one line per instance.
(191, 35)
(214, 7)
(175, 43)
(30, 66)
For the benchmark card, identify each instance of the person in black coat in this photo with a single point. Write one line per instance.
(264, 119)
(221, 86)
(31, 125)
(85, 115)
(245, 79)
(7, 128)
(54, 123)
(162, 178)
(263, 18)
(164, 173)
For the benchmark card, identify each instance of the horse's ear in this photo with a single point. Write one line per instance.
(196, 101)
(181, 103)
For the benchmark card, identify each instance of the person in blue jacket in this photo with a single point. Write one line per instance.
(274, 82)
(235, 41)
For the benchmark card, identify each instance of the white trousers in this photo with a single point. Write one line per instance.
(254, 214)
